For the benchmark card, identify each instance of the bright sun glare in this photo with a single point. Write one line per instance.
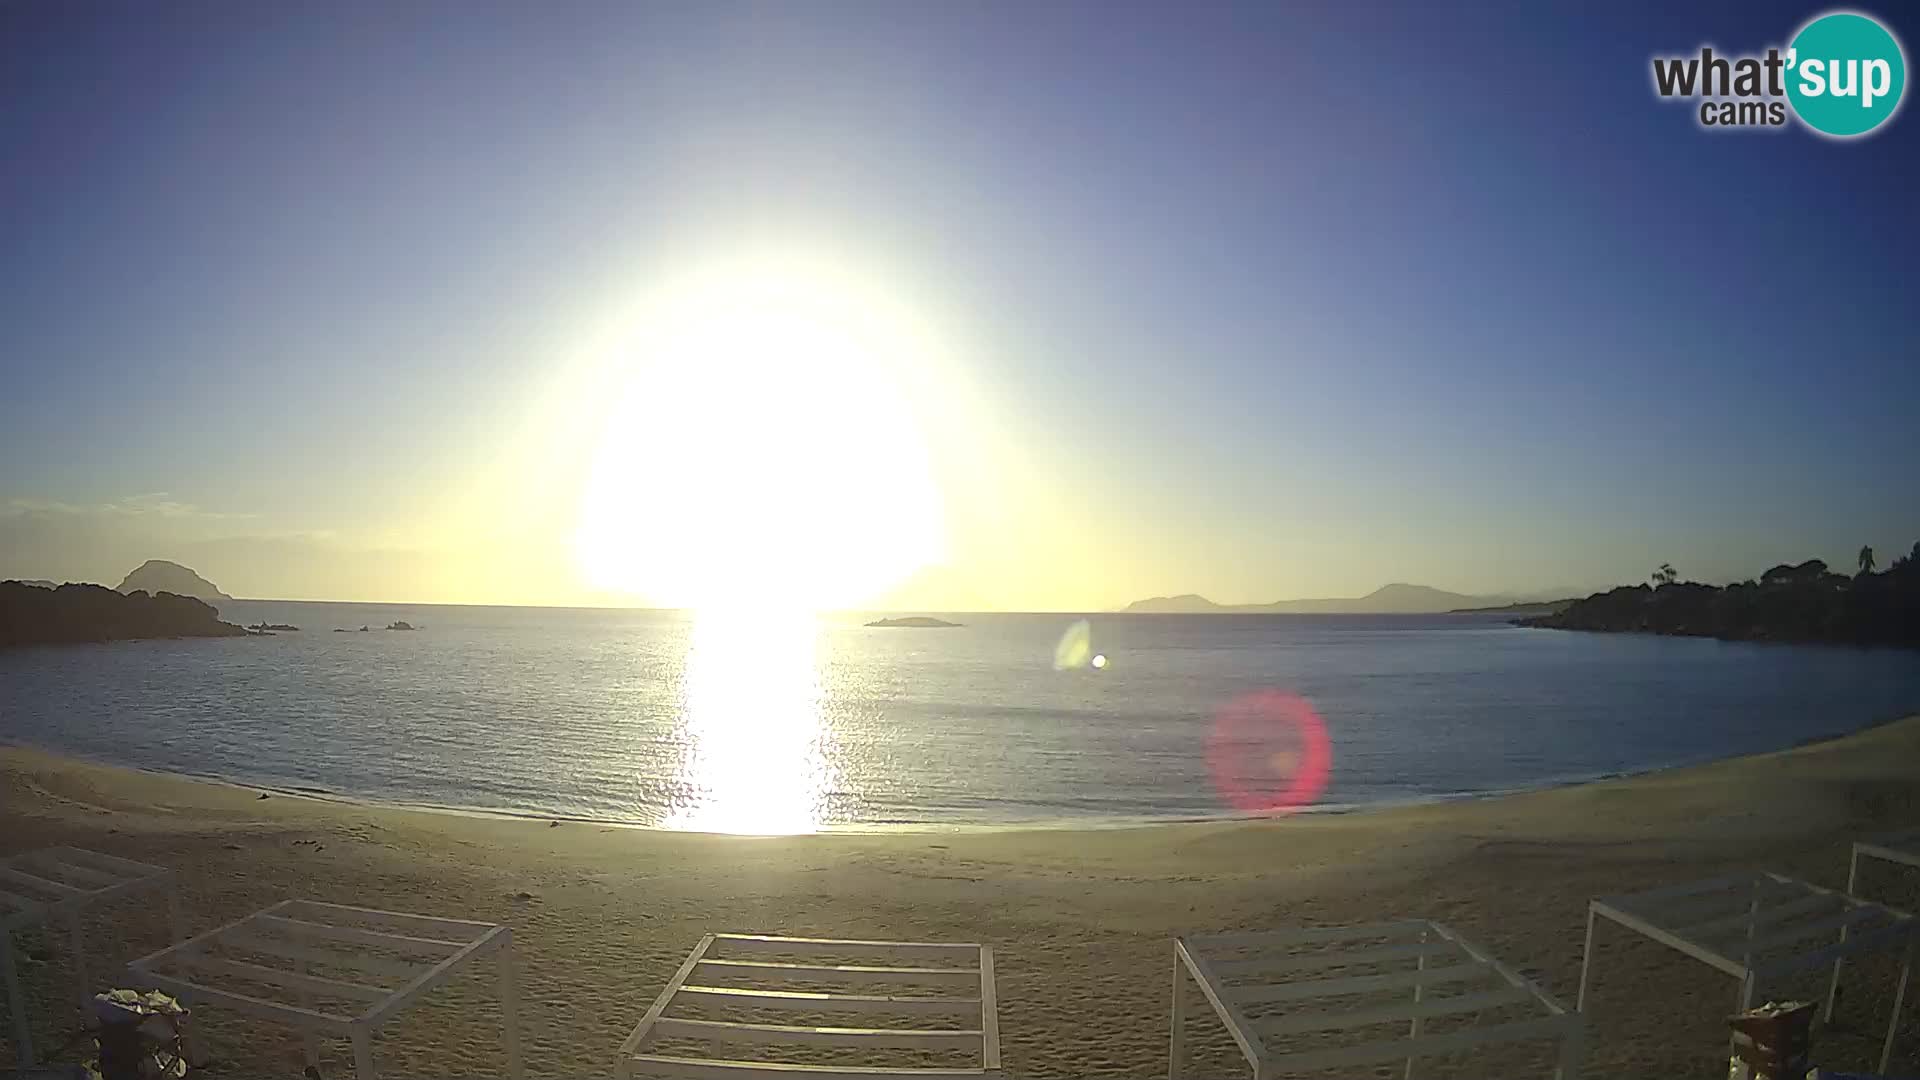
(766, 451)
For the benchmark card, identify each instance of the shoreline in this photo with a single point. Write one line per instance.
(1050, 825)
(1081, 920)
(1531, 622)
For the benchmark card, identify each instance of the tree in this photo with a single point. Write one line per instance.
(1905, 562)
(1866, 560)
(1666, 575)
(1805, 573)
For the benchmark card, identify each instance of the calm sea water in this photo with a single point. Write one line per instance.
(775, 725)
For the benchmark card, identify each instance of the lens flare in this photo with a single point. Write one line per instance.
(1269, 753)
(1075, 647)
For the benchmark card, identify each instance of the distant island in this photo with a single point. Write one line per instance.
(76, 614)
(1523, 607)
(158, 576)
(1395, 599)
(1804, 602)
(923, 621)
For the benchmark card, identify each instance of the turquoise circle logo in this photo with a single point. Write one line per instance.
(1846, 74)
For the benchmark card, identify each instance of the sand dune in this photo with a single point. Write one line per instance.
(1082, 920)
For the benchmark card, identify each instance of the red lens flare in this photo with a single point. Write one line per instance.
(1269, 752)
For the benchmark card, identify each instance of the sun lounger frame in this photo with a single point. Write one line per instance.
(1430, 955)
(60, 884)
(725, 965)
(1902, 848)
(1899, 848)
(1760, 925)
(396, 957)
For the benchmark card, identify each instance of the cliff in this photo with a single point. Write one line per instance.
(160, 576)
(71, 614)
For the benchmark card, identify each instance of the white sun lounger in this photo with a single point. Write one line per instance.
(1902, 849)
(1273, 988)
(61, 884)
(329, 969)
(1758, 926)
(948, 990)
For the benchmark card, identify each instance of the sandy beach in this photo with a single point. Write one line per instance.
(1082, 920)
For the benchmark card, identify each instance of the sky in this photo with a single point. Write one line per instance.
(392, 302)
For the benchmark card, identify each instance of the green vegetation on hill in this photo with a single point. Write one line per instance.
(1803, 603)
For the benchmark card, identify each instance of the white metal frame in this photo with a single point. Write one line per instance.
(391, 959)
(721, 972)
(1757, 926)
(1901, 848)
(1242, 974)
(62, 883)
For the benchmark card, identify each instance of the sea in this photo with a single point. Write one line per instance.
(754, 723)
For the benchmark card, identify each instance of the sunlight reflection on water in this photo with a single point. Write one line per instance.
(659, 719)
(756, 746)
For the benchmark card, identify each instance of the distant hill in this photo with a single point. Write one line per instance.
(1521, 607)
(158, 575)
(73, 614)
(1395, 599)
(1184, 604)
(38, 583)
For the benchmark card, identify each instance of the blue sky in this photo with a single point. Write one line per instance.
(1259, 301)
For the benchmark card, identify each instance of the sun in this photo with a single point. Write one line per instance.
(766, 450)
